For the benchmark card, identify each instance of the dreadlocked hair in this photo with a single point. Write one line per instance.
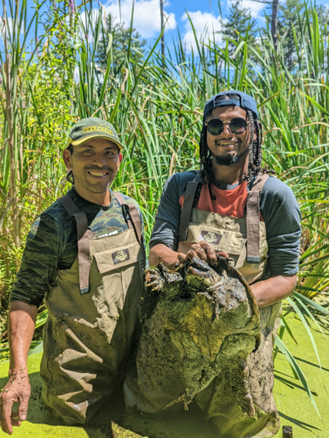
(205, 156)
(255, 148)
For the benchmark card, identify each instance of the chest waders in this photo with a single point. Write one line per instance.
(244, 239)
(91, 333)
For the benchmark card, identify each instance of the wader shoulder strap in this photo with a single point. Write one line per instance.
(191, 189)
(133, 220)
(253, 219)
(83, 237)
(69, 205)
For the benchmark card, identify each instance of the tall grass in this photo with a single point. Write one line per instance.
(156, 105)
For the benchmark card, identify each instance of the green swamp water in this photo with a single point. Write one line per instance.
(292, 401)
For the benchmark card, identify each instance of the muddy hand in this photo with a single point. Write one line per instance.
(203, 251)
(222, 254)
(182, 259)
(17, 389)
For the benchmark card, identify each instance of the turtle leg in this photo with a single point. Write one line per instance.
(238, 375)
(154, 280)
(244, 399)
(218, 298)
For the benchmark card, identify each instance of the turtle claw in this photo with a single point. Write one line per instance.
(154, 280)
(154, 284)
(205, 294)
(251, 408)
(153, 271)
(183, 398)
(152, 277)
(224, 258)
(179, 266)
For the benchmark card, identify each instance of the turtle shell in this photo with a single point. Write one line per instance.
(198, 322)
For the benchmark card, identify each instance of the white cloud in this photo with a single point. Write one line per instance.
(255, 7)
(147, 20)
(205, 25)
(8, 27)
(88, 26)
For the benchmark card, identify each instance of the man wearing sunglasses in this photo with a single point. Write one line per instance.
(232, 205)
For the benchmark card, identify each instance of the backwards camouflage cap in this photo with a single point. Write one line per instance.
(93, 127)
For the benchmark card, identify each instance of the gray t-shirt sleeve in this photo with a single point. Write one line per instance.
(281, 214)
(166, 225)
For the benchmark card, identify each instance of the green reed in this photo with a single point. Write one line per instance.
(156, 105)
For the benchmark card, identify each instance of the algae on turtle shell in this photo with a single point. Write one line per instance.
(198, 322)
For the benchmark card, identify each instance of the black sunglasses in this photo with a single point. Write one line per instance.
(237, 126)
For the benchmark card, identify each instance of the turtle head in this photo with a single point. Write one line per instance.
(200, 275)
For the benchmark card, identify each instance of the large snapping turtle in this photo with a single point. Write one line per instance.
(197, 322)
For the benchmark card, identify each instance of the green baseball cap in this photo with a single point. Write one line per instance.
(90, 128)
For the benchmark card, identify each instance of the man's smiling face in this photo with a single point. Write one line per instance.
(228, 148)
(94, 165)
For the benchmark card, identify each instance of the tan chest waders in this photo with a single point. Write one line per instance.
(91, 334)
(244, 239)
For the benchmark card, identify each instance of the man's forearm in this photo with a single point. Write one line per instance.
(162, 254)
(273, 289)
(22, 318)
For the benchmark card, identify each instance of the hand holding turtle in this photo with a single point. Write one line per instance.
(204, 251)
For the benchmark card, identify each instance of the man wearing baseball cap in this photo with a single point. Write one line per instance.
(230, 205)
(84, 257)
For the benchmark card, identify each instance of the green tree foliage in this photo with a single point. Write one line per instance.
(291, 19)
(323, 14)
(36, 125)
(239, 25)
(289, 16)
(119, 42)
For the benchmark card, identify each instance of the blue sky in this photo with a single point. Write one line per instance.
(203, 14)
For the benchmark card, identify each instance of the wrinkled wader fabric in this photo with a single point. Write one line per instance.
(91, 334)
(244, 239)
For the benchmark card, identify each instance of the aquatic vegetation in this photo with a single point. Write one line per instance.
(198, 322)
(157, 104)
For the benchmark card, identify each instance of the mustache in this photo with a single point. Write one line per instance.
(98, 168)
(217, 142)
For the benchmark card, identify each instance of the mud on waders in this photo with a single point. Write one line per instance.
(244, 239)
(91, 332)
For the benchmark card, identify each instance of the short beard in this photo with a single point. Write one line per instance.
(97, 188)
(230, 160)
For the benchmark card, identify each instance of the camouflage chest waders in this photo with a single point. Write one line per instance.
(244, 239)
(91, 333)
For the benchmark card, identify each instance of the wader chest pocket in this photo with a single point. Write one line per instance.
(117, 258)
(221, 240)
(235, 247)
(231, 242)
